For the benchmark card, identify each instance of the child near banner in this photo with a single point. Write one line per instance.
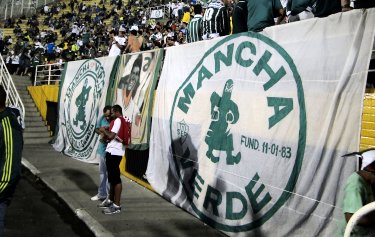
(119, 136)
(103, 189)
(359, 191)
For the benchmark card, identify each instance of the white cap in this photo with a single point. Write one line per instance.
(121, 28)
(134, 27)
(170, 34)
(367, 158)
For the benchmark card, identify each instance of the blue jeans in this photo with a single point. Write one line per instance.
(103, 189)
(3, 210)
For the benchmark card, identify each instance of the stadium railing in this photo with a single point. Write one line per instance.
(48, 74)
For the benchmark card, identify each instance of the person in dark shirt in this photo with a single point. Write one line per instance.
(216, 20)
(239, 18)
(11, 145)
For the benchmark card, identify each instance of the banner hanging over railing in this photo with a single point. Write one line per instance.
(249, 129)
(134, 92)
(83, 93)
(157, 13)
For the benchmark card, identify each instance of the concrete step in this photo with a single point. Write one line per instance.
(37, 140)
(33, 114)
(31, 110)
(44, 134)
(33, 118)
(29, 124)
(29, 105)
(24, 93)
(26, 100)
(35, 129)
(23, 84)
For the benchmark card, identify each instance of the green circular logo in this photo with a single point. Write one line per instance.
(82, 100)
(238, 125)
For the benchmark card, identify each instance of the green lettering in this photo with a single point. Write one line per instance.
(203, 74)
(189, 93)
(227, 60)
(239, 59)
(213, 198)
(230, 215)
(256, 206)
(279, 114)
(263, 65)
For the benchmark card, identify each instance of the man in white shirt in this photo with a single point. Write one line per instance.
(114, 152)
(117, 44)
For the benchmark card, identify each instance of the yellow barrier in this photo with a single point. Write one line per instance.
(129, 176)
(368, 122)
(42, 94)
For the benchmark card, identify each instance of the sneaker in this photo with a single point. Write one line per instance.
(97, 198)
(105, 204)
(113, 209)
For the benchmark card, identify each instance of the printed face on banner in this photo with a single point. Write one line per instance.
(133, 86)
(235, 176)
(81, 110)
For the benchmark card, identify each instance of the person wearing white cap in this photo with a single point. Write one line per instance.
(117, 43)
(133, 42)
(359, 191)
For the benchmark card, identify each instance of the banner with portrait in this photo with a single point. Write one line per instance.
(82, 97)
(134, 89)
(248, 130)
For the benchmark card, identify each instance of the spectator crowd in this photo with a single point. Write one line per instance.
(85, 34)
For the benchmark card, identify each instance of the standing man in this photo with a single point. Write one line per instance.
(11, 145)
(216, 20)
(119, 136)
(195, 27)
(262, 14)
(239, 17)
(103, 189)
(133, 42)
(117, 43)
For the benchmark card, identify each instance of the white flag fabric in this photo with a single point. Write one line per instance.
(82, 98)
(248, 130)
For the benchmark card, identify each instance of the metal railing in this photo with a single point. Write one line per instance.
(369, 208)
(16, 8)
(48, 74)
(13, 98)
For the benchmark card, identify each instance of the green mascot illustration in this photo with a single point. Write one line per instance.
(81, 102)
(223, 112)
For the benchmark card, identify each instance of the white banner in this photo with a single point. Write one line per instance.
(249, 129)
(82, 99)
(158, 13)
